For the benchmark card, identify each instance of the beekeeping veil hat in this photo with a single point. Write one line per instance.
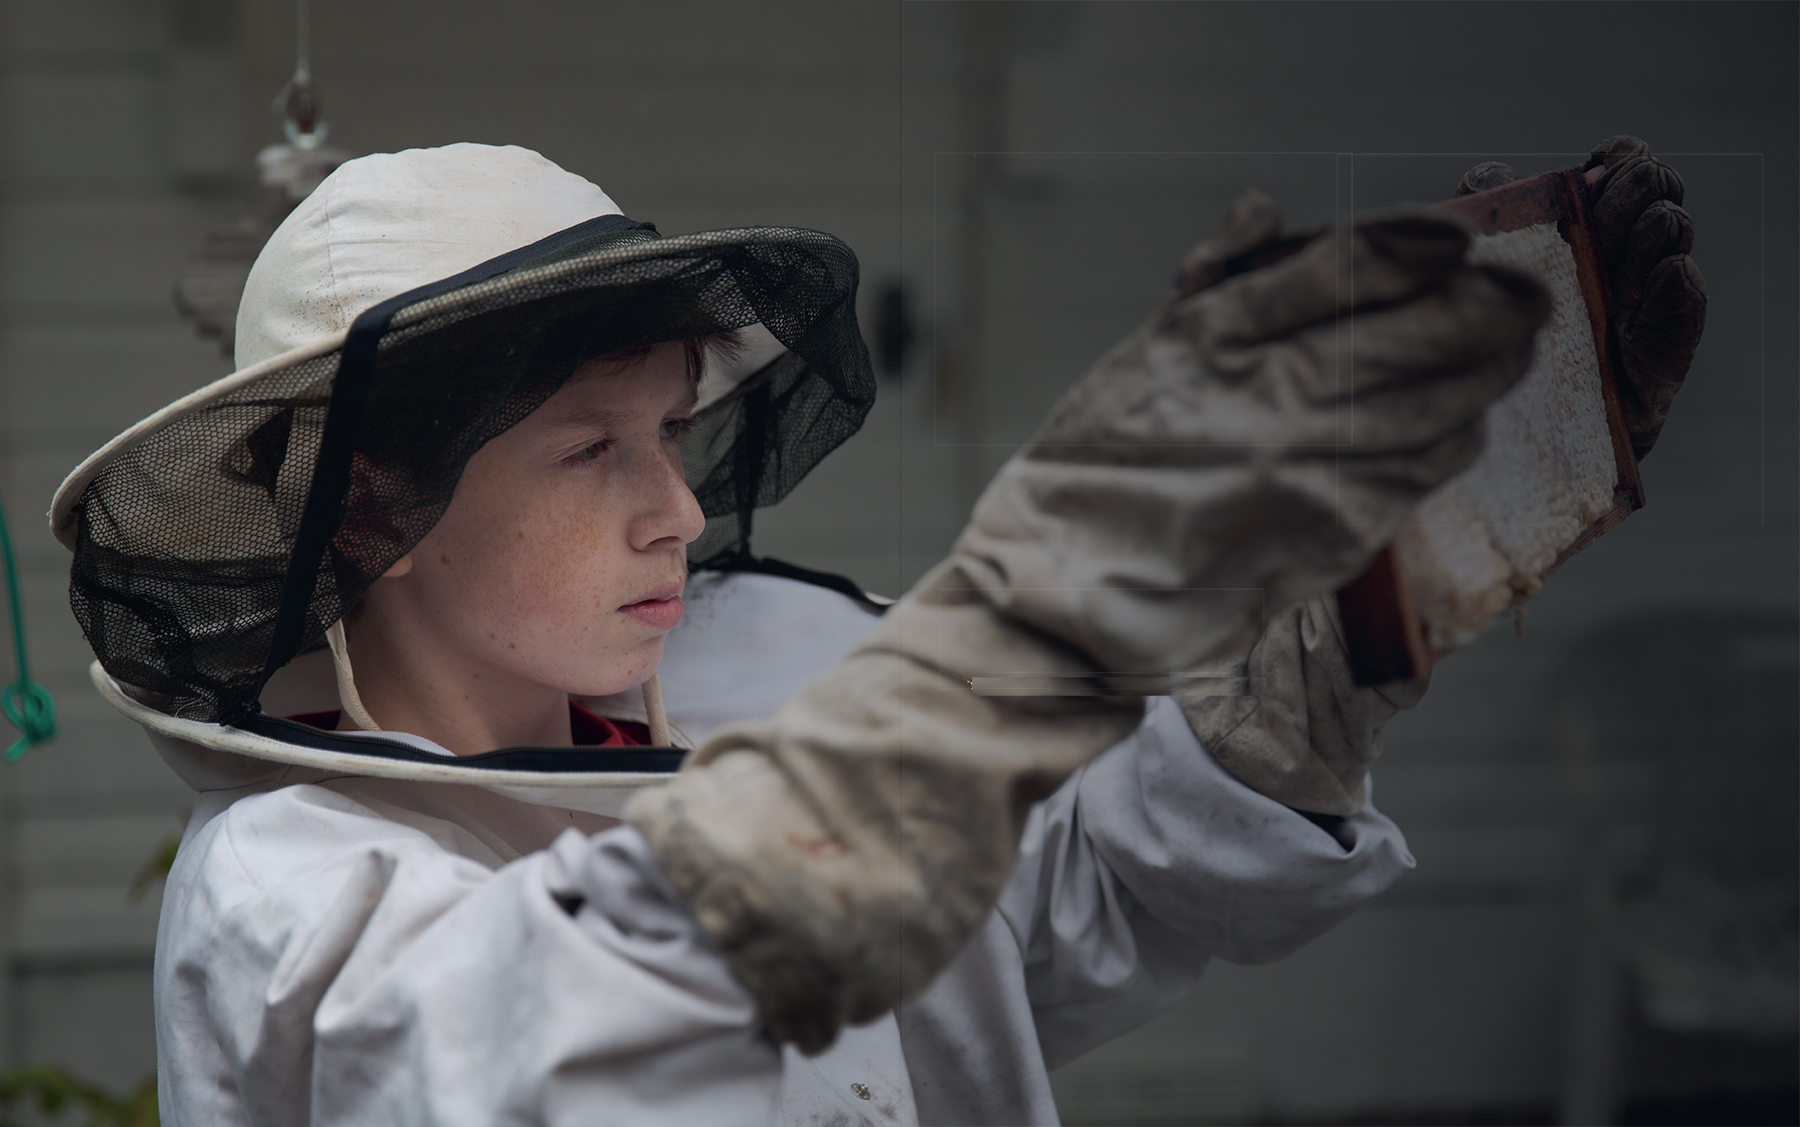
(416, 305)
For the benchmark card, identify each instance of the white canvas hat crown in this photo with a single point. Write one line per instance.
(384, 224)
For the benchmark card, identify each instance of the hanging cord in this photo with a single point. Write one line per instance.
(654, 714)
(346, 679)
(27, 704)
(298, 102)
(302, 34)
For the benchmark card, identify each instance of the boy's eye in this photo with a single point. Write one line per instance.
(675, 428)
(589, 452)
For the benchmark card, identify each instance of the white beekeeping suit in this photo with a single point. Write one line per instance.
(372, 947)
(872, 889)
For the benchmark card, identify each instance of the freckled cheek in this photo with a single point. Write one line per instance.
(550, 568)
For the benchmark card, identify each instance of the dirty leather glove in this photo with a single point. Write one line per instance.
(1657, 294)
(1487, 174)
(1201, 476)
(1290, 721)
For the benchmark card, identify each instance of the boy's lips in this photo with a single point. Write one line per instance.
(661, 611)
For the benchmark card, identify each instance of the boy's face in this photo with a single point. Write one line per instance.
(560, 561)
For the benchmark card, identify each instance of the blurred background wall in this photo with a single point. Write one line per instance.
(1019, 180)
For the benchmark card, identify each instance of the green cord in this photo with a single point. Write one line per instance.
(27, 704)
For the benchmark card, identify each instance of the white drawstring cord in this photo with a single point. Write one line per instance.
(654, 714)
(346, 680)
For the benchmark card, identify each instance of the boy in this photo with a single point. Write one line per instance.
(425, 908)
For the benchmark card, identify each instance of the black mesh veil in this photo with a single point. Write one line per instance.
(211, 552)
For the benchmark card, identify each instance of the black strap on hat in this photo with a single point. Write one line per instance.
(349, 394)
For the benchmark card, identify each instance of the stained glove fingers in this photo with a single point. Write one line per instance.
(1657, 346)
(1472, 336)
(1252, 220)
(1663, 230)
(1629, 186)
(1479, 324)
(1368, 481)
(1484, 176)
(1379, 260)
(1412, 435)
(1658, 296)
(1387, 419)
(1614, 152)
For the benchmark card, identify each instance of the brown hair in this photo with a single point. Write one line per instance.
(728, 345)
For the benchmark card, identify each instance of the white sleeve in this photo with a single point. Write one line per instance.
(319, 963)
(1151, 860)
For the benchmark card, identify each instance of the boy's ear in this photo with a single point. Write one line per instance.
(401, 566)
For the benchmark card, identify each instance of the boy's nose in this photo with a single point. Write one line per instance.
(669, 510)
